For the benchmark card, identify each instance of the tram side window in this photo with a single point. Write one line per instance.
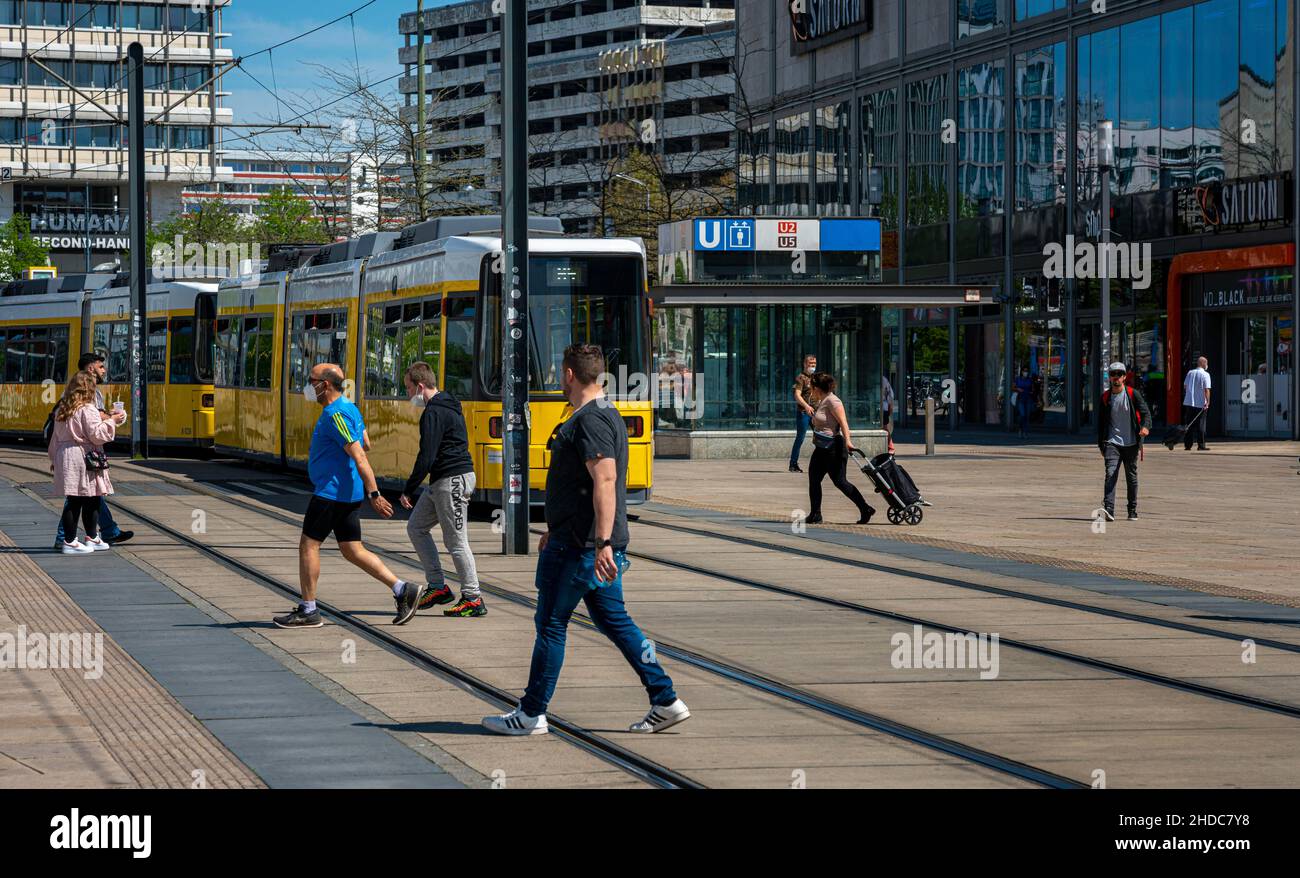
(316, 338)
(181, 369)
(34, 354)
(156, 352)
(398, 335)
(227, 362)
(256, 346)
(459, 379)
(119, 352)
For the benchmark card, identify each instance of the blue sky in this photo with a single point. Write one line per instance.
(256, 24)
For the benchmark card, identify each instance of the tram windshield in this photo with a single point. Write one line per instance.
(572, 299)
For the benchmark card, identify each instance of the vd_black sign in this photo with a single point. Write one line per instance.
(815, 23)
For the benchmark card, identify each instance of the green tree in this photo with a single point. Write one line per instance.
(18, 249)
(213, 222)
(285, 218)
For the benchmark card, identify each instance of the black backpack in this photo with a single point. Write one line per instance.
(48, 430)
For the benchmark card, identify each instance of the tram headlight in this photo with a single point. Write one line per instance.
(494, 428)
(209, 400)
(635, 427)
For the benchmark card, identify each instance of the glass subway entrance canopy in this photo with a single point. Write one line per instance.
(770, 250)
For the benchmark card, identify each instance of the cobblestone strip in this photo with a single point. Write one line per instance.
(155, 740)
(903, 536)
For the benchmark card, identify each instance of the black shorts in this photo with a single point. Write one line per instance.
(332, 516)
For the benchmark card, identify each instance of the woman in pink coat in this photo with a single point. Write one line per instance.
(79, 428)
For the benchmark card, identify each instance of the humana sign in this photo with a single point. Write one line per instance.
(74, 221)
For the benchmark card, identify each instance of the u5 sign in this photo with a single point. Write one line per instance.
(860, 235)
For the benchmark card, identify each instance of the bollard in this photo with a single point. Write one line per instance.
(929, 425)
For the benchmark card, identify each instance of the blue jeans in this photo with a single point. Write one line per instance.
(565, 576)
(108, 528)
(801, 424)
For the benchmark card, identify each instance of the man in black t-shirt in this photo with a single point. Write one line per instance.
(582, 553)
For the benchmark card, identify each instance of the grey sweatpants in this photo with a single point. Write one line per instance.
(446, 503)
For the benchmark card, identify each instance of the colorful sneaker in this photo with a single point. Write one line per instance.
(662, 717)
(75, 548)
(434, 595)
(98, 545)
(299, 618)
(516, 722)
(467, 607)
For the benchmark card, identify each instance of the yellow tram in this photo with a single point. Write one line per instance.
(42, 335)
(378, 303)
(178, 356)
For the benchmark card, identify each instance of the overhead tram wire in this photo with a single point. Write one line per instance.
(333, 101)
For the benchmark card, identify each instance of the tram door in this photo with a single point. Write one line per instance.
(1259, 359)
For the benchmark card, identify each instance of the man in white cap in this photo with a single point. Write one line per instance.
(1122, 423)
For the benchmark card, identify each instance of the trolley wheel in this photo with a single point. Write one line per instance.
(892, 514)
(914, 515)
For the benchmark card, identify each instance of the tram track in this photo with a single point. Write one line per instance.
(830, 707)
(716, 667)
(602, 748)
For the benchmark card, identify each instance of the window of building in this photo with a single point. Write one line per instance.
(50, 14)
(1031, 8)
(11, 71)
(141, 16)
(981, 159)
(792, 196)
(1040, 127)
(927, 170)
(95, 15)
(878, 149)
(47, 132)
(186, 18)
(976, 17)
(831, 160)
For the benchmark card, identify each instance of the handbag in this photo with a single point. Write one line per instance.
(821, 440)
(96, 461)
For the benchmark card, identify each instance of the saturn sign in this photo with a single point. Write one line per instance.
(816, 22)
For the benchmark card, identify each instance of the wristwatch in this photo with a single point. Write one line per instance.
(600, 544)
(374, 495)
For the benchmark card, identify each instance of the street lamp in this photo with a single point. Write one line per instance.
(1105, 161)
(645, 186)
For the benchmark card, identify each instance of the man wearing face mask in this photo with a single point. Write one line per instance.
(803, 409)
(444, 459)
(1122, 421)
(342, 477)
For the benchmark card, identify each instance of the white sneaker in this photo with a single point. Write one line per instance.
(75, 548)
(98, 545)
(660, 718)
(516, 722)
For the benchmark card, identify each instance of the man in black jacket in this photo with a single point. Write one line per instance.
(444, 459)
(1123, 420)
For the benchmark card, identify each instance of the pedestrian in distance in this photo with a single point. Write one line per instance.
(444, 460)
(1024, 400)
(92, 363)
(833, 442)
(342, 478)
(803, 409)
(1196, 404)
(1122, 421)
(582, 557)
(78, 463)
(887, 404)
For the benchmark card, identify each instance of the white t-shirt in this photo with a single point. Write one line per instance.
(886, 395)
(1194, 387)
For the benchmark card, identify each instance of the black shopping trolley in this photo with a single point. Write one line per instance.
(893, 483)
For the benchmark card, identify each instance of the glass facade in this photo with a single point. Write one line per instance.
(1203, 108)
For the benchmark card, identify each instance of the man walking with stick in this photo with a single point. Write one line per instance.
(1196, 404)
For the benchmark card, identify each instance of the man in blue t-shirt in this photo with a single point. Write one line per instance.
(342, 477)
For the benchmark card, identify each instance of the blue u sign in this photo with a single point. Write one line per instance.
(724, 234)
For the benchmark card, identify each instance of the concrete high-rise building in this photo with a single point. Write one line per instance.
(605, 77)
(63, 150)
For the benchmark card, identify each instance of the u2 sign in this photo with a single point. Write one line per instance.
(814, 23)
